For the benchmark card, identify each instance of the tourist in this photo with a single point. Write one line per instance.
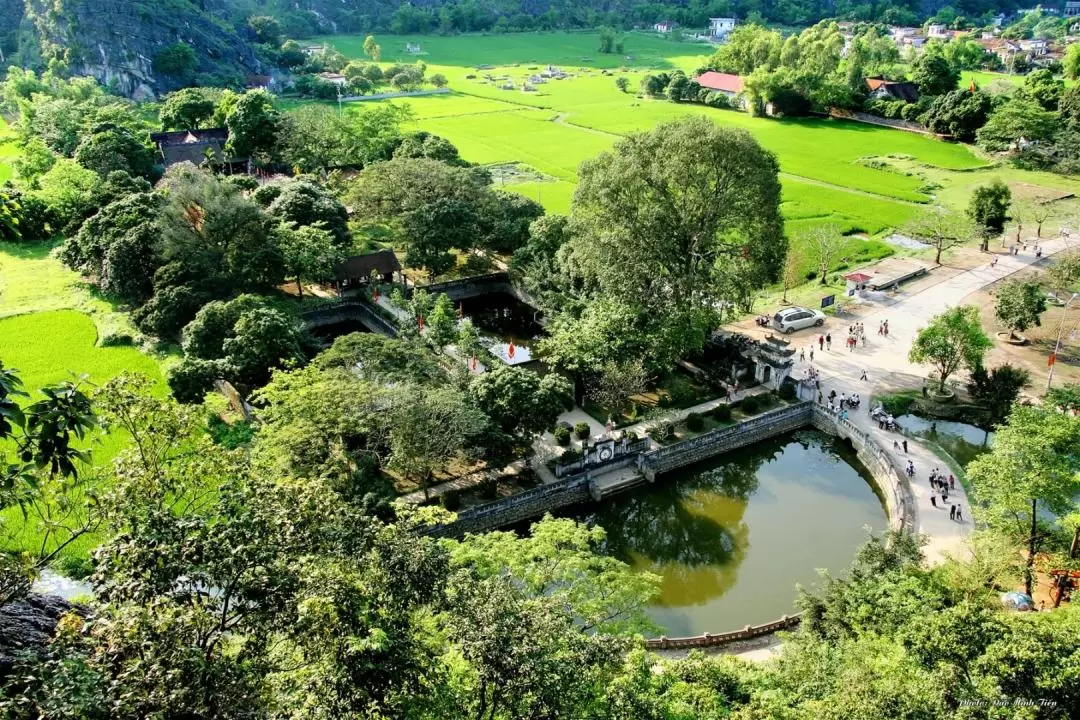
(958, 516)
(831, 408)
(993, 263)
(863, 376)
(851, 343)
(828, 341)
(896, 446)
(952, 482)
(843, 400)
(1038, 252)
(933, 500)
(952, 512)
(802, 354)
(880, 328)
(886, 327)
(821, 342)
(811, 353)
(905, 446)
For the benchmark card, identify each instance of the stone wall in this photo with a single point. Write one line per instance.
(516, 508)
(763, 427)
(786, 622)
(470, 287)
(343, 310)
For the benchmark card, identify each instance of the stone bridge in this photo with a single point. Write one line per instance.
(477, 286)
(336, 311)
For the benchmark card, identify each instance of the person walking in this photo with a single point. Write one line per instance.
(886, 328)
(933, 500)
(952, 482)
(952, 512)
(821, 342)
(959, 517)
(828, 341)
(880, 328)
(863, 376)
(905, 446)
(896, 446)
(802, 354)
(811, 353)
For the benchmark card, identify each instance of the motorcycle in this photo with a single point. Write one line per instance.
(883, 418)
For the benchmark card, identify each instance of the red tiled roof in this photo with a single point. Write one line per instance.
(858, 277)
(724, 82)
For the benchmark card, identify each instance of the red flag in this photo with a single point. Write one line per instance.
(1051, 360)
(510, 351)
(375, 295)
(420, 320)
(472, 364)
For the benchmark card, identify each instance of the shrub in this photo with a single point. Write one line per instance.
(749, 405)
(582, 431)
(681, 390)
(812, 275)
(489, 490)
(662, 431)
(787, 391)
(116, 339)
(571, 455)
(722, 413)
(450, 500)
(695, 422)
(562, 436)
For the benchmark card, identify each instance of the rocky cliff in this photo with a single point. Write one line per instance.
(116, 41)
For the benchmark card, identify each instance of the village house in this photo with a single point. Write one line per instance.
(1072, 9)
(359, 269)
(335, 78)
(720, 28)
(998, 20)
(412, 48)
(882, 89)
(724, 83)
(196, 147)
(259, 82)
(1035, 47)
(1001, 47)
(898, 33)
(937, 31)
(664, 26)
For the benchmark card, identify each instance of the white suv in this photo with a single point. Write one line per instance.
(796, 318)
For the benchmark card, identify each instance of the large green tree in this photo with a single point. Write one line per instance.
(951, 340)
(186, 109)
(933, 74)
(254, 124)
(1019, 305)
(658, 221)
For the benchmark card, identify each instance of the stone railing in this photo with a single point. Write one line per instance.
(767, 425)
(891, 482)
(516, 508)
(710, 640)
(331, 312)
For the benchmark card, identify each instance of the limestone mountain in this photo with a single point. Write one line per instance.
(141, 48)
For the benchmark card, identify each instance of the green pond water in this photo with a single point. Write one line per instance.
(963, 441)
(732, 536)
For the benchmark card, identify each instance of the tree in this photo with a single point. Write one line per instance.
(429, 426)
(254, 124)
(291, 54)
(617, 382)
(87, 249)
(316, 138)
(933, 74)
(305, 204)
(372, 49)
(792, 274)
(622, 83)
(823, 241)
(520, 402)
(267, 29)
(659, 223)
(309, 253)
(988, 208)
(1032, 464)
(952, 340)
(186, 109)
(959, 113)
(610, 42)
(1042, 87)
(1018, 118)
(1071, 62)
(438, 80)
(115, 148)
(1040, 212)
(1019, 305)
(997, 390)
(177, 60)
(940, 228)
(440, 324)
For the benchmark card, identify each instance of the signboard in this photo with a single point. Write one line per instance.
(827, 301)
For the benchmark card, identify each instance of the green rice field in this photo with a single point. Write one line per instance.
(862, 178)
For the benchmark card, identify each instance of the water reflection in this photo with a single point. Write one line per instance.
(963, 441)
(501, 315)
(731, 537)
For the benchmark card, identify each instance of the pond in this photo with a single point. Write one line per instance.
(732, 536)
(963, 441)
(328, 333)
(503, 316)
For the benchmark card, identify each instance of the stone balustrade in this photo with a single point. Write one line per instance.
(749, 632)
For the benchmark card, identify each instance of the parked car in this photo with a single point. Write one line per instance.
(796, 318)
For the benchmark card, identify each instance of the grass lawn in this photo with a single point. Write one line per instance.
(859, 177)
(52, 346)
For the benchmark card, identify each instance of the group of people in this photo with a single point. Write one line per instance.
(939, 484)
(839, 406)
(883, 328)
(856, 333)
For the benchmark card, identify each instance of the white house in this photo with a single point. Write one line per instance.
(336, 78)
(999, 20)
(1035, 47)
(412, 48)
(938, 31)
(1072, 9)
(720, 28)
(664, 27)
